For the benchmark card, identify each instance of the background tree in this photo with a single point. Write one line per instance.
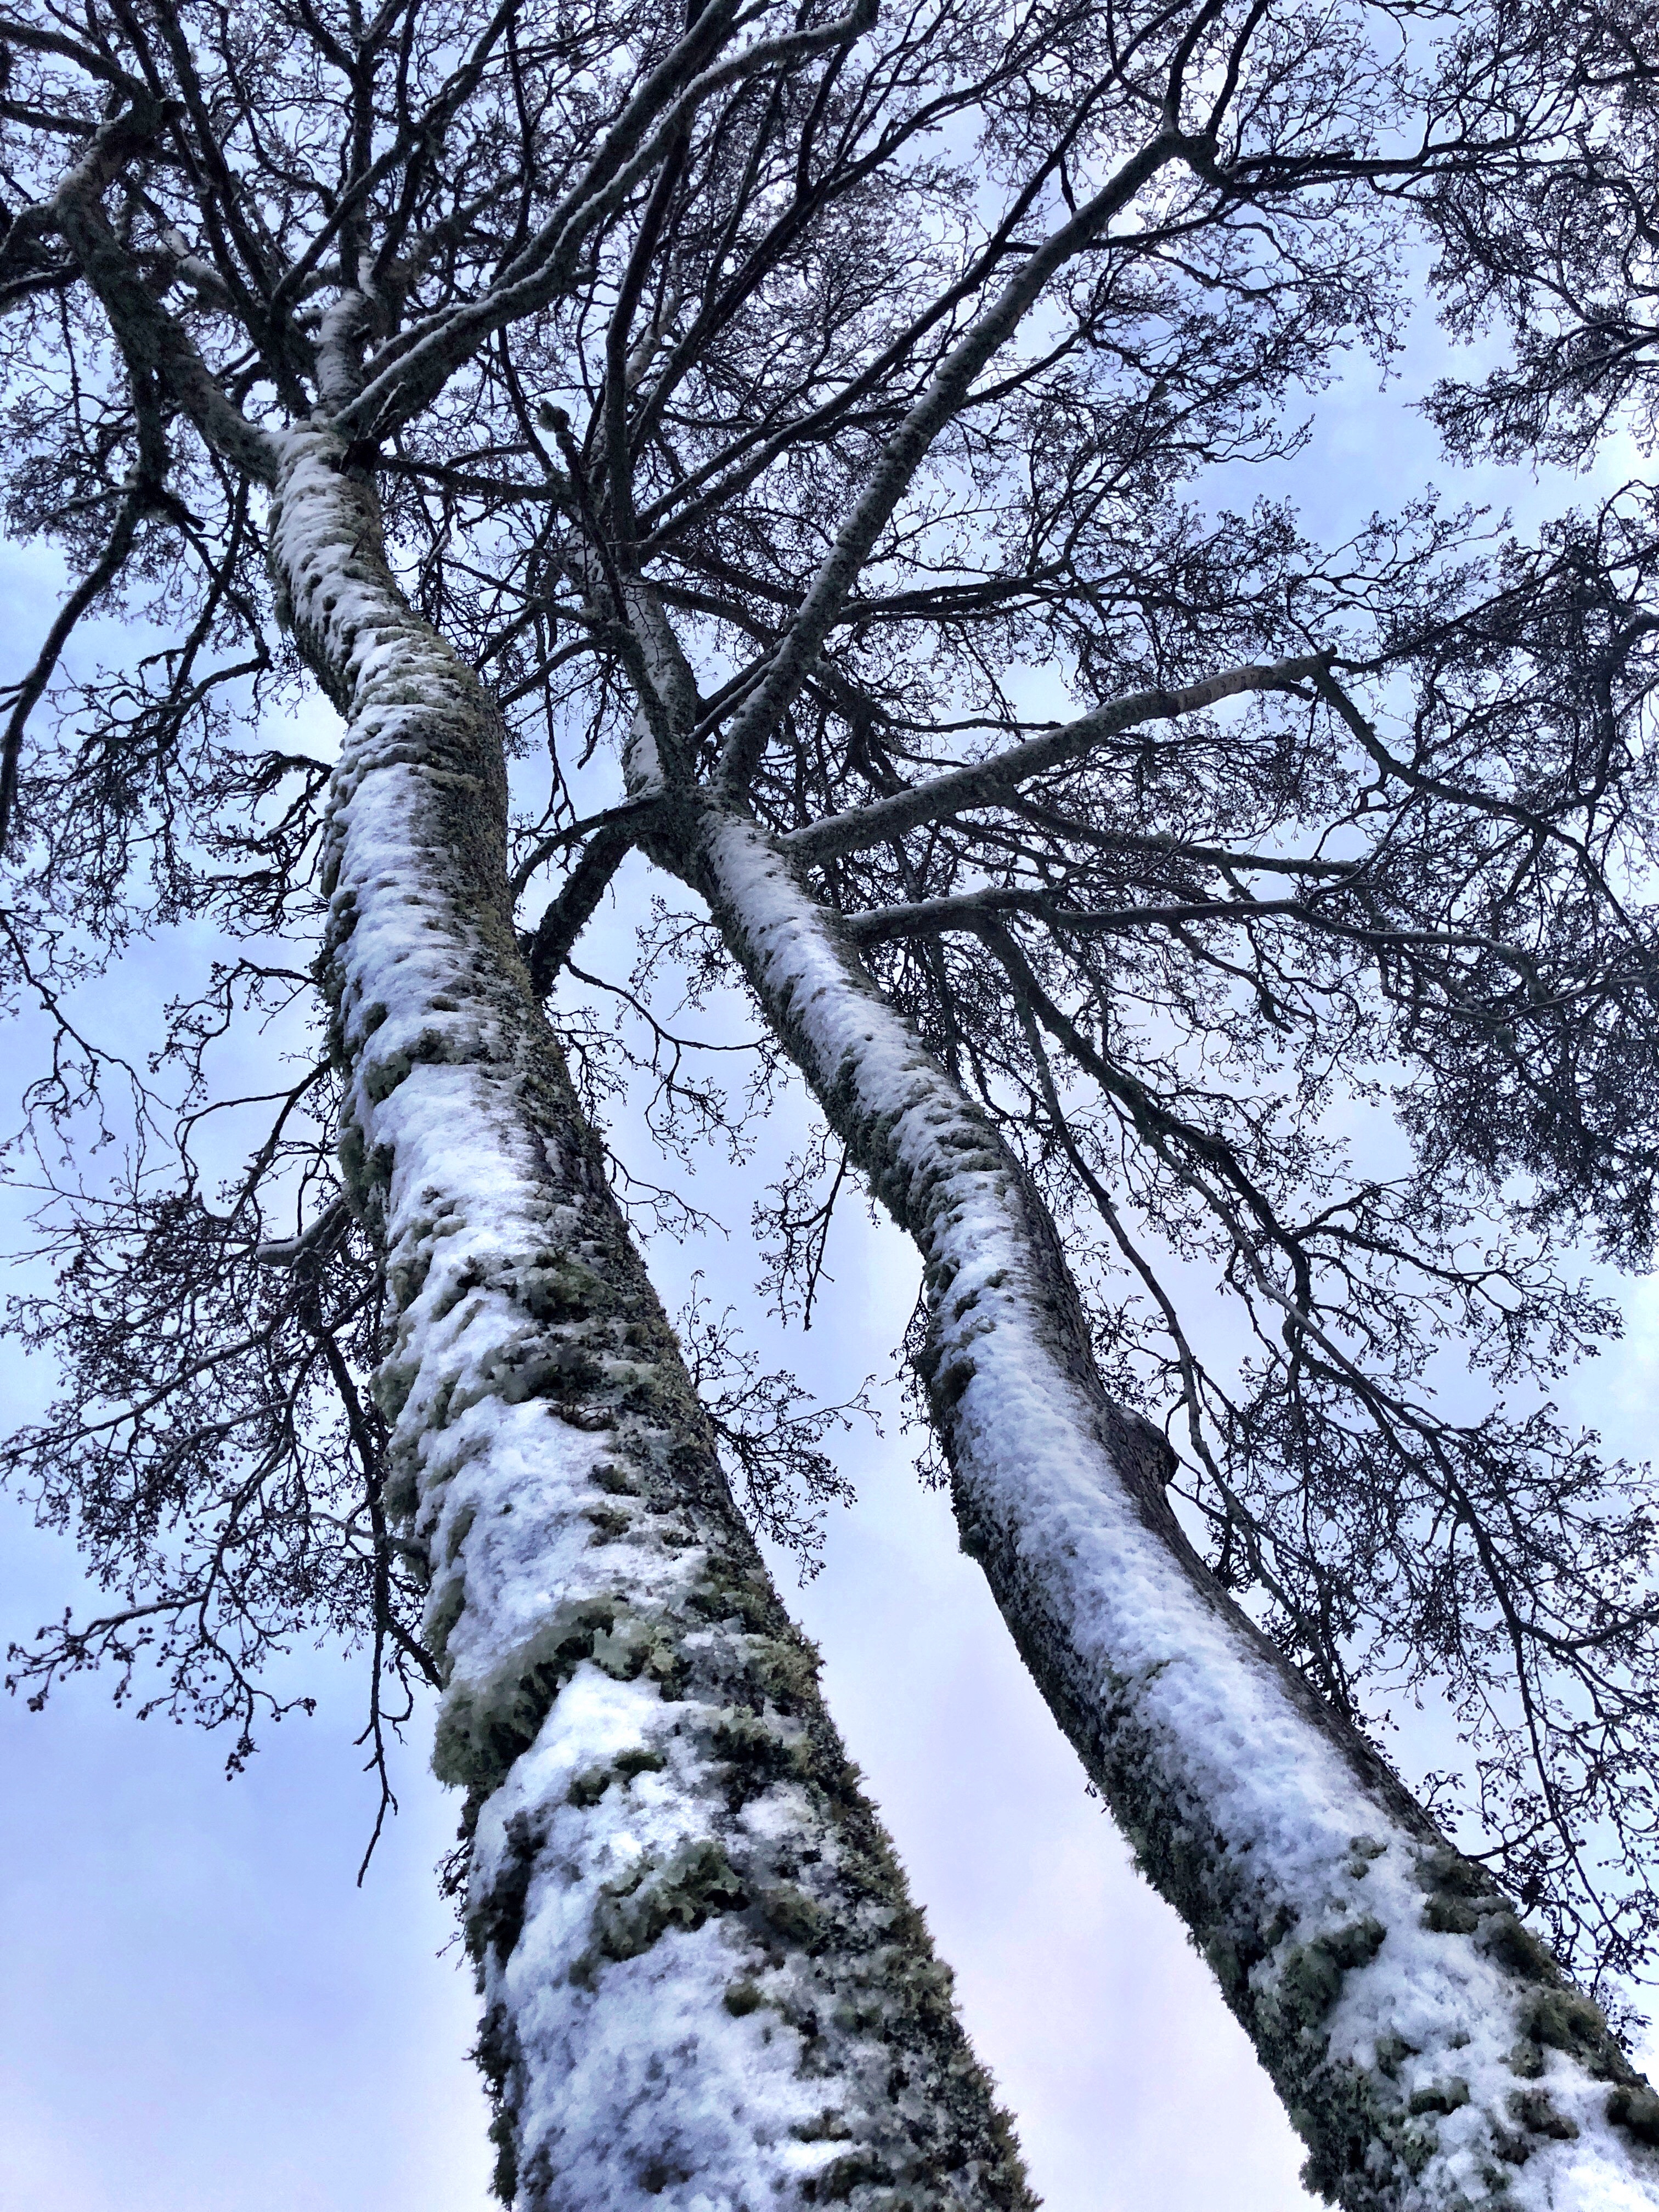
(756, 403)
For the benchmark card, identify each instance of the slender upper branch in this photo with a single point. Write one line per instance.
(946, 393)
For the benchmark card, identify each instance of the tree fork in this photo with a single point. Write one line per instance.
(1428, 2049)
(703, 1978)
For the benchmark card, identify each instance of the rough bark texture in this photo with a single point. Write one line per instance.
(703, 1981)
(1429, 2050)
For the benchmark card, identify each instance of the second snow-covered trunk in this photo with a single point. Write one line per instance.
(704, 1985)
(1429, 2050)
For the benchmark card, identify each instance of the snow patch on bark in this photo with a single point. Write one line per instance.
(689, 2103)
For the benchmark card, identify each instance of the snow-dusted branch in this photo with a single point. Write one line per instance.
(153, 341)
(985, 782)
(568, 914)
(416, 366)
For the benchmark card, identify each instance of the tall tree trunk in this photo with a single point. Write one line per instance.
(1429, 2050)
(703, 1981)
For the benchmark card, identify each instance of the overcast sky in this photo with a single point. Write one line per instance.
(202, 2014)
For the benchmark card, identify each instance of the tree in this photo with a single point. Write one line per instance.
(754, 398)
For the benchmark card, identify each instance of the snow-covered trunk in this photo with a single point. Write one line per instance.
(1429, 2050)
(704, 1984)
